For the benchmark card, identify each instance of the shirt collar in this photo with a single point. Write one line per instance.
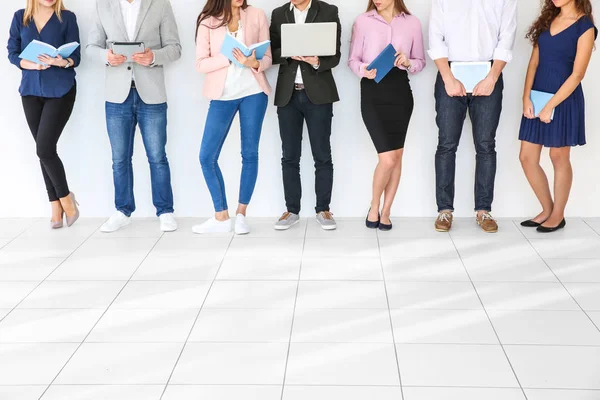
(305, 10)
(374, 13)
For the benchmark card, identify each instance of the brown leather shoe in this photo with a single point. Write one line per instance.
(443, 223)
(487, 223)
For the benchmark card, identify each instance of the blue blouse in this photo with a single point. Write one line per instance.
(53, 82)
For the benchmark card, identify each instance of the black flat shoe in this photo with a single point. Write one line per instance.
(531, 224)
(385, 227)
(371, 224)
(545, 229)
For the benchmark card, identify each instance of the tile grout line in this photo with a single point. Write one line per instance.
(387, 298)
(102, 315)
(591, 227)
(287, 358)
(51, 272)
(196, 319)
(488, 315)
(562, 283)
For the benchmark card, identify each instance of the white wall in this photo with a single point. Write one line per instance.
(85, 150)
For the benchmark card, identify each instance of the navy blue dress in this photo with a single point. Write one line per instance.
(557, 58)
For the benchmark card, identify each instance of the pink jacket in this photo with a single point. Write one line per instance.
(211, 62)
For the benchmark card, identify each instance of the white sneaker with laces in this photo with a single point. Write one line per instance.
(241, 225)
(116, 221)
(167, 222)
(213, 226)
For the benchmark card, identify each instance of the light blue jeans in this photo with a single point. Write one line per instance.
(121, 121)
(252, 111)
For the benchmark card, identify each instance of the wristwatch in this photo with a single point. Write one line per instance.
(69, 64)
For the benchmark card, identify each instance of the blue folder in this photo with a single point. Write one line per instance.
(37, 48)
(539, 100)
(231, 43)
(384, 62)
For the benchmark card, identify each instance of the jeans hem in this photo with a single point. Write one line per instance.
(322, 209)
(126, 213)
(169, 211)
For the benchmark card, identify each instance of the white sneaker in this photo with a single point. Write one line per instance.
(241, 225)
(116, 221)
(213, 226)
(167, 222)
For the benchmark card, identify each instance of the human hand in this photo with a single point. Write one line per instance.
(250, 62)
(546, 115)
(55, 62)
(115, 59)
(28, 65)
(369, 73)
(455, 88)
(145, 59)
(528, 108)
(401, 60)
(312, 60)
(485, 87)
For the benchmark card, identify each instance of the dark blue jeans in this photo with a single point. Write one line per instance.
(318, 119)
(252, 111)
(485, 116)
(121, 122)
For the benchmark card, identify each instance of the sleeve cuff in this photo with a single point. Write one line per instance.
(437, 53)
(503, 55)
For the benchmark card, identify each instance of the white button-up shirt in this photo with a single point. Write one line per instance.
(130, 13)
(472, 30)
(300, 18)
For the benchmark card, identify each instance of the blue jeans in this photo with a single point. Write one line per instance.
(485, 116)
(252, 111)
(121, 121)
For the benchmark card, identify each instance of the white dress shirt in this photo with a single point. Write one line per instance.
(472, 30)
(300, 18)
(240, 81)
(130, 13)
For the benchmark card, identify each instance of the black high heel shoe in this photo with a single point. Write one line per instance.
(372, 224)
(545, 229)
(531, 223)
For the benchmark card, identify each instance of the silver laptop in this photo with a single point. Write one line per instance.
(316, 39)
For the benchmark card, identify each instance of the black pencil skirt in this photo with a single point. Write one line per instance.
(386, 109)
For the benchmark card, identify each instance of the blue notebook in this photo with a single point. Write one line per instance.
(384, 62)
(37, 48)
(231, 43)
(539, 100)
(470, 73)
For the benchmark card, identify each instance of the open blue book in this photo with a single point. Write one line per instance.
(231, 43)
(384, 62)
(470, 73)
(539, 100)
(37, 48)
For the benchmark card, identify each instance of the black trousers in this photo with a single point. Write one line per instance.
(291, 123)
(47, 118)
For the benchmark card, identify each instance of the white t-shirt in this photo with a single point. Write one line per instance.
(240, 81)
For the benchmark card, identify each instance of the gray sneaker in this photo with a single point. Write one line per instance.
(286, 221)
(325, 219)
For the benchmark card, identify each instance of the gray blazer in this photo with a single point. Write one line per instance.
(156, 27)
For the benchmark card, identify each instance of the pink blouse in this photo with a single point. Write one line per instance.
(371, 34)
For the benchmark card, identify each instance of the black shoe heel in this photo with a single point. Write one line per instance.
(371, 224)
(545, 229)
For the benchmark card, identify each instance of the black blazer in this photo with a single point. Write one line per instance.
(319, 84)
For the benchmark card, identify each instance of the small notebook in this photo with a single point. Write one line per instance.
(231, 43)
(37, 48)
(470, 73)
(383, 63)
(539, 100)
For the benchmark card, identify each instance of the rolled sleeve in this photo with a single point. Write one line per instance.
(437, 34)
(508, 32)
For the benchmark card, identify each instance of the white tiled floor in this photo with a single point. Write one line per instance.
(305, 314)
